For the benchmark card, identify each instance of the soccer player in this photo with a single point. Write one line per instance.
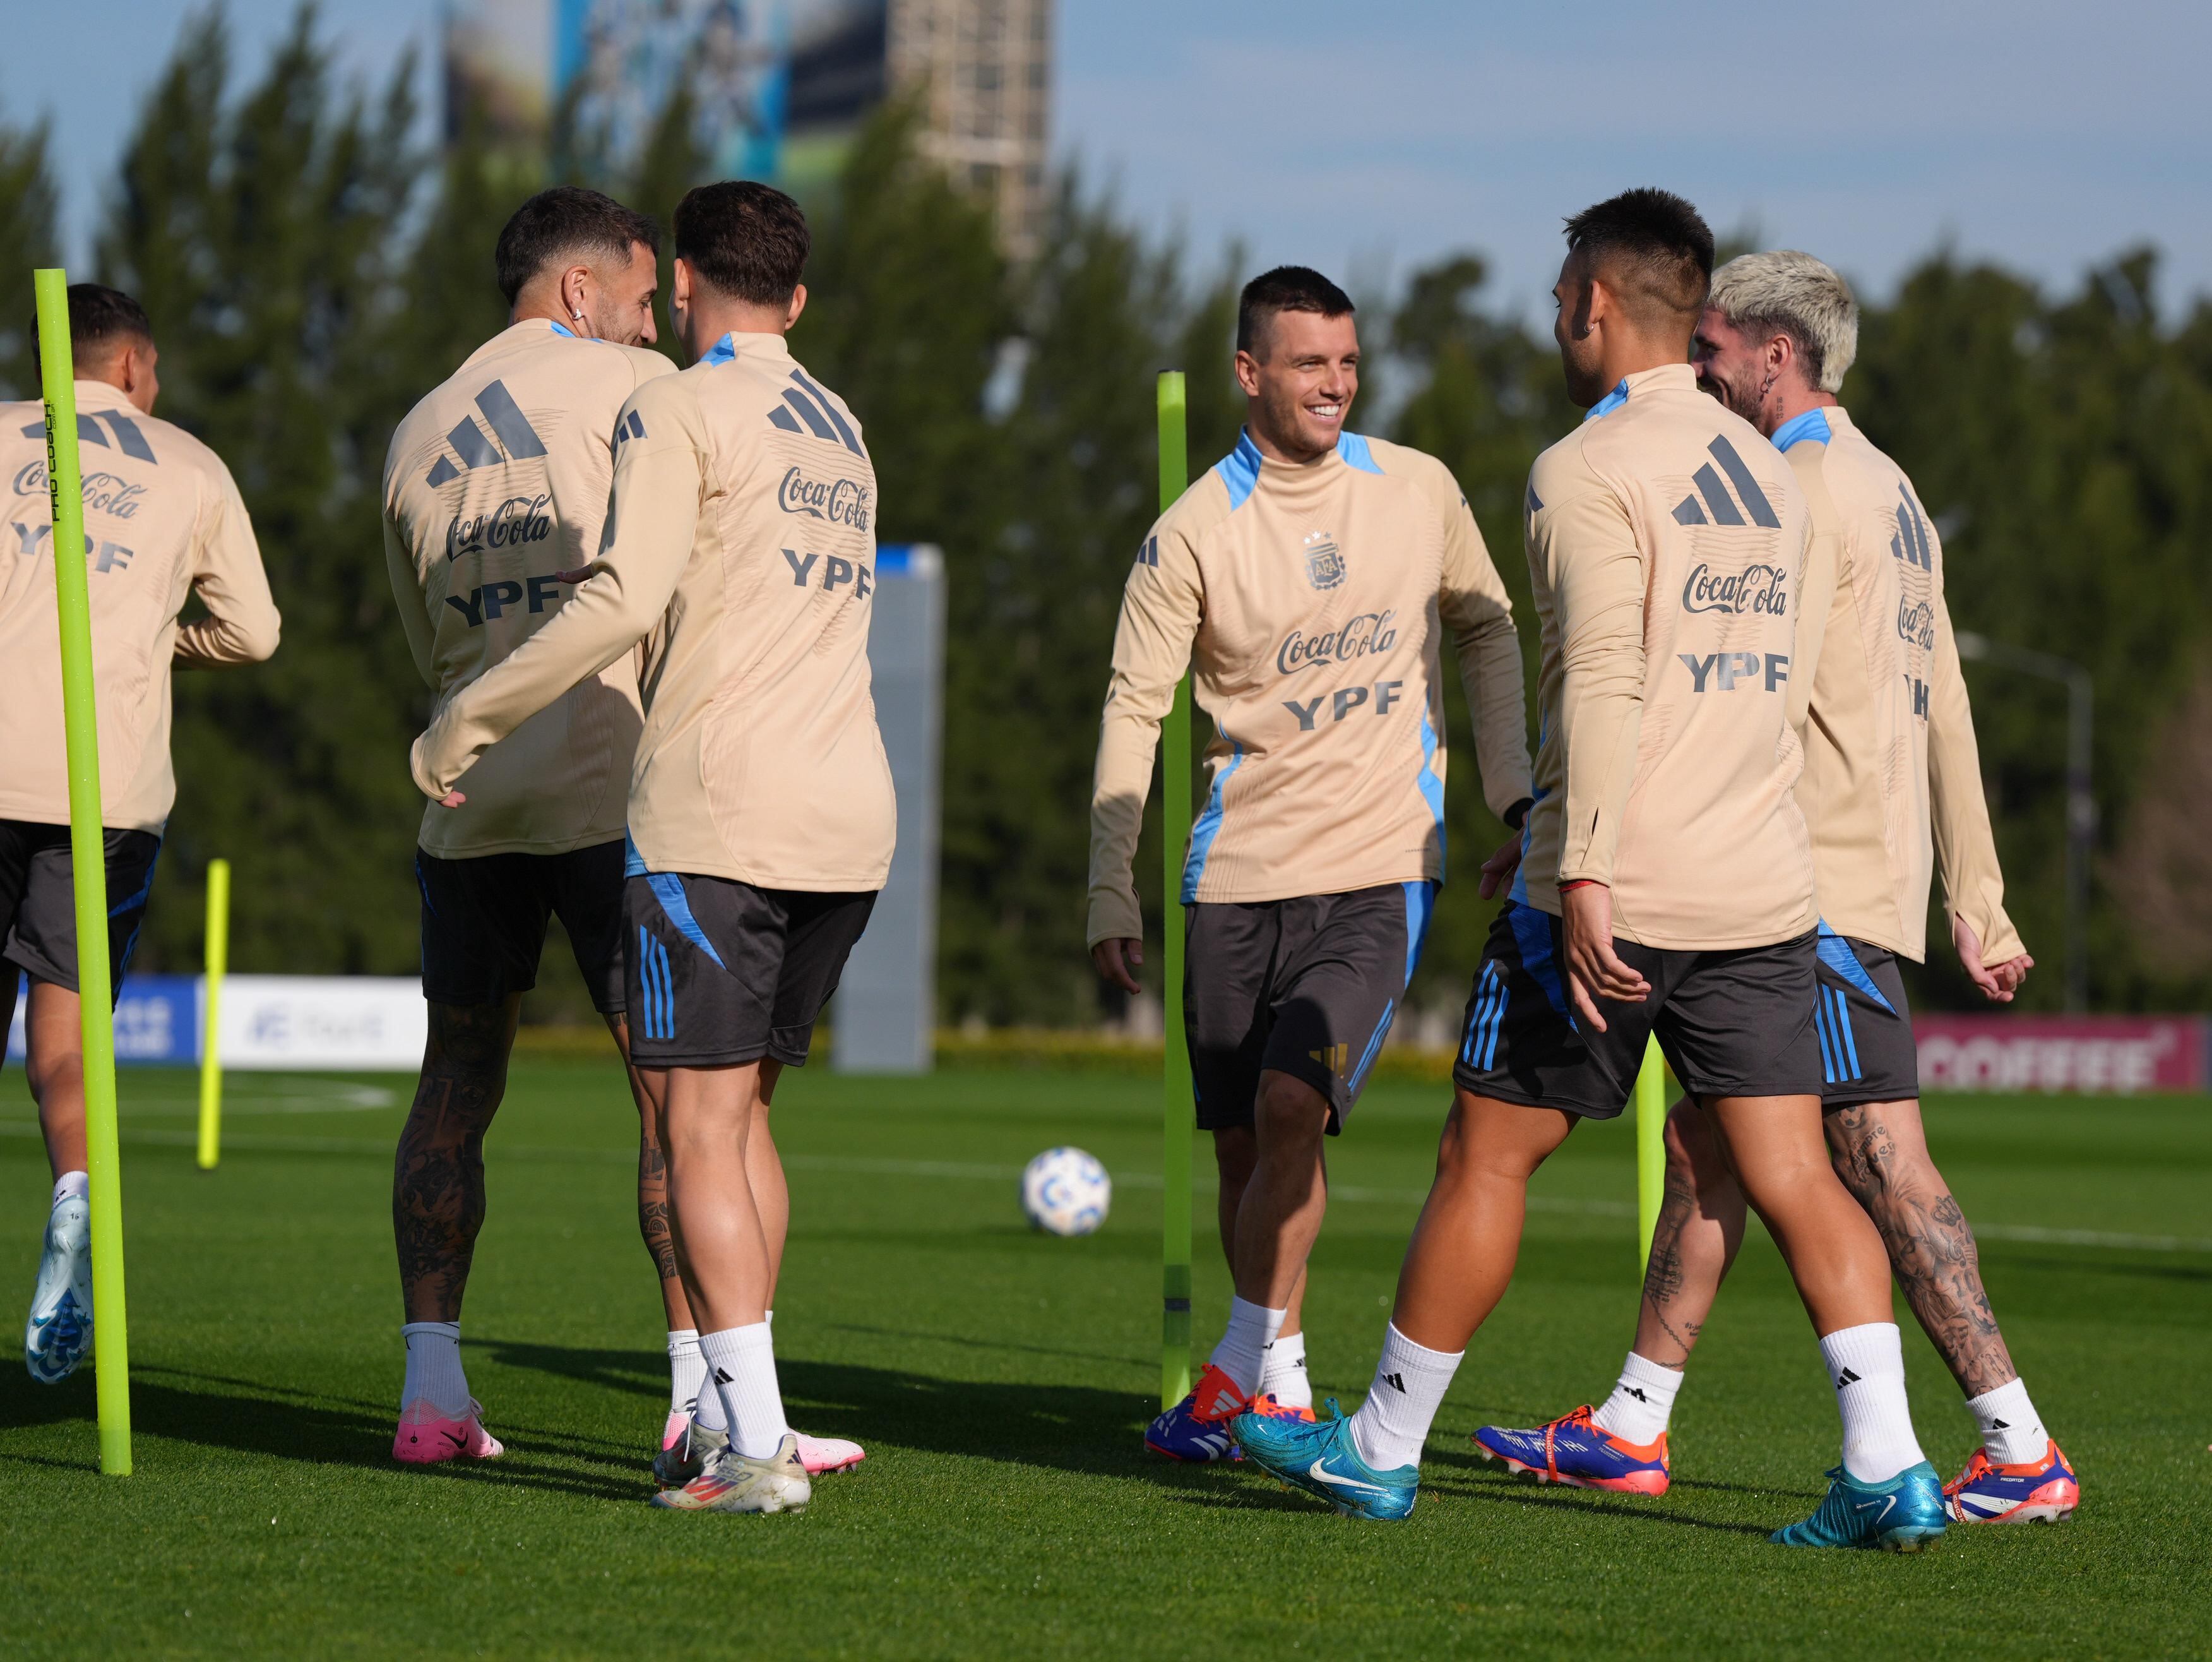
(739, 546)
(1308, 577)
(494, 483)
(162, 523)
(1667, 888)
(1890, 755)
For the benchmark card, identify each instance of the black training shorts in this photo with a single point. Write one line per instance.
(1308, 987)
(721, 973)
(1738, 1023)
(1864, 1025)
(483, 922)
(37, 899)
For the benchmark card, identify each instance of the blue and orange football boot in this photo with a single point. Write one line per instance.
(2043, 1491)
(1197, 1428)
(1902, 1515)
(1575, 1450)
(1318, 1458)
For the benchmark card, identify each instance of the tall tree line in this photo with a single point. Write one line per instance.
(311, 272)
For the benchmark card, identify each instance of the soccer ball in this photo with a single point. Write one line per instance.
(1066, 1192)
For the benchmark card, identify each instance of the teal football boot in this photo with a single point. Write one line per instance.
(1902, 1515)
(1317, 1457)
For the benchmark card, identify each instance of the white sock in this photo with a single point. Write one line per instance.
(741, 1360)
(1410, 1382)
(433, 1368)
(1283, 1372)
(72, 1185)
(2012, 1431)
(1642, 1403)
(687, 1370)
(706, 1410)
(1867, 1366)
(1252, 1329)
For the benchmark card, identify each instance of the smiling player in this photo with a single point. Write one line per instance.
(1667, 889)
(1308, 578)
(1893, 785)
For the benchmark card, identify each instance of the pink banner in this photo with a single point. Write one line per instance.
(2103, 1056)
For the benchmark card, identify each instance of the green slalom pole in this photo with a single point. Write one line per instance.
(218, 961)
(88, 864)
(1650, 1150)
(1179, 1113)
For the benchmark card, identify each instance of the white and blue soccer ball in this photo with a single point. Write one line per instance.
(1066, 1192)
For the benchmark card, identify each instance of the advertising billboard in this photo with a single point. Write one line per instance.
(776, 88)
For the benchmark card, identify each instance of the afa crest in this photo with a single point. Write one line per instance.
(1324, 560)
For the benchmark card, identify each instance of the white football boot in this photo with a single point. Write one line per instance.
(59, 1334)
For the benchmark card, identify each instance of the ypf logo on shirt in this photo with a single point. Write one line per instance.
(1324, 560)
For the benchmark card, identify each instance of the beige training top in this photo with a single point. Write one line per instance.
(742, 536)
(1665, 542)
(1309, 600)
(162, 521)
(494, 483)
(1888, 736)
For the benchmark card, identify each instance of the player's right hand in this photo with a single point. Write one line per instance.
(1593, 969)
(1118, 959)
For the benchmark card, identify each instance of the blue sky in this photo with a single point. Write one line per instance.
(1369, 138)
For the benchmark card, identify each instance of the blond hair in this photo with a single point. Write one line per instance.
(1788, 293)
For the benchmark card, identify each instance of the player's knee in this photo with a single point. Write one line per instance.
(1235, 1151)
(1289, 1112)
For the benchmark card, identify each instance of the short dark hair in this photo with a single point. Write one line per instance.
(745, 239)
(1655, 249)
(99, 317)
(1285, 288)
(567, 219)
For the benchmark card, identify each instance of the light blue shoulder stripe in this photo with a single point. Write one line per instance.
(1611, 402)
(1240, 471)
(1812, 426)
(722, 350)
(1354, 449)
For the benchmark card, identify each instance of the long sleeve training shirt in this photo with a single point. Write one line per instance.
(1893, 780)
(1309, 604)
(740, 547)
(494, 483)
(1666, 542)
(162, 522)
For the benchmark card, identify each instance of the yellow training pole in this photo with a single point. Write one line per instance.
(218, 960)
(88, 866)
(1179, 1114)
(1651, 1149)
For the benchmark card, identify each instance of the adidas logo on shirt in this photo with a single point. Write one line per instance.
(507, 420)
(1714, 496)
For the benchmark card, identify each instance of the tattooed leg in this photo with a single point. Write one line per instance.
(1701, 1214)
(653, 1177)
(1881, 1152)
(437, 1180)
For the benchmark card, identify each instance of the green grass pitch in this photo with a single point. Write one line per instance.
(999, 1379)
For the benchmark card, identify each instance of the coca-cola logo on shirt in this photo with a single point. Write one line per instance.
(1916, 621)
(105, 493)
(1760, 589)
(1369, 632)
(518, 520)
(840, 502)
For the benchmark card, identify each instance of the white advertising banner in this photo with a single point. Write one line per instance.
(368, 1023)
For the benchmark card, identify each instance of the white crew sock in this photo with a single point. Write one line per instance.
(71, 1185)
(433, 1368)
(1866, 1365)
(1410, 1382)
(2012, 1431)
(1283, 1372)
(1252, 1329)
(687, 1370)
(741, 1360)
(1642, 1403)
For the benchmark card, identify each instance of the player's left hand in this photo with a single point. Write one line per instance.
(1497, 870)
(1998, 982)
